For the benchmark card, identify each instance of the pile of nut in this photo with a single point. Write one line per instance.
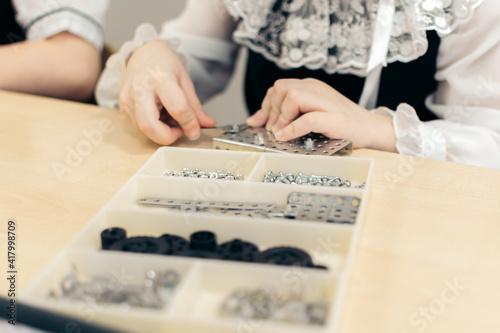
(153, 293)
(267, 304)
(197, 173)
(304, 179)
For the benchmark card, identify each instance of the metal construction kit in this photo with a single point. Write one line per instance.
(154, 293)
(244, 137)
(232, 239)
(203, 244)
(197, 173)
(260, 304)
(300, 206)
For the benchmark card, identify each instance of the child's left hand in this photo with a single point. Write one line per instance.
(293, 108)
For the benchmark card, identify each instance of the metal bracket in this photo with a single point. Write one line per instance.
(243, 137)
(300, 206)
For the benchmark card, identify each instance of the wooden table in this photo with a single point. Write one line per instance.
(429, 254)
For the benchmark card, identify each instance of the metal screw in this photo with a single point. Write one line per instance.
(259, 304)
(363, 184)
(103, 290)
(235, 129)
(346, 183)
(198, 173)
(303, 179)
(309, 144)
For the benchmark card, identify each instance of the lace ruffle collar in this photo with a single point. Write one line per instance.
(336, 35)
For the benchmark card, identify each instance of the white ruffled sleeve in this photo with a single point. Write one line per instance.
(201, 35)
(467, 100)
(45, 18)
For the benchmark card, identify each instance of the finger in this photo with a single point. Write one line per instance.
(148, 121)
(317, 122)
(127, 107)
(291, 108)
(261, 116)
(175, 102)
(204, 119)
(281, 90)
(273, 117)
(258, 119)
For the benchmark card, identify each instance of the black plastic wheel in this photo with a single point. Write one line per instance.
(203, 240)
(238, 250)
(142, 245)
(286, 256)
(110, 236)
(177, 244)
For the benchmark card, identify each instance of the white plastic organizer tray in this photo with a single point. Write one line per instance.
(293, 297)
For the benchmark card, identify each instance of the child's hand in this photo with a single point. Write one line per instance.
(157, 92)
(293, 108)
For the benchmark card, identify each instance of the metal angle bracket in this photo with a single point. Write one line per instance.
(300, 206)
(243, 137)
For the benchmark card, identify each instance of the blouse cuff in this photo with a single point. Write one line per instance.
(108, 88)
(414, 137)
(76, 22)
(201, 47)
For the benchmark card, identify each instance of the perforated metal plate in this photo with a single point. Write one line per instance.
(242, 137)
(300, 206)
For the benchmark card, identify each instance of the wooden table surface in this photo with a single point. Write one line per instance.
(429, 254)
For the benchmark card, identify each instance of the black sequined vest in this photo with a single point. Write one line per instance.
(400, 83)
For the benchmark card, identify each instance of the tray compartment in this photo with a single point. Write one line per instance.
(121, 271)
(204, 283)
(355, 170)
(327, 244)
(206, 291)
(175, 159)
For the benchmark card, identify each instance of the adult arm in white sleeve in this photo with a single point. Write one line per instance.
(467, 100)
(61, 57)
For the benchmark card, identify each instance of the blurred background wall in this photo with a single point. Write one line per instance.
(125, 15)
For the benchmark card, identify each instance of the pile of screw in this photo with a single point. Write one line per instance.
(304, 179)
(263, 304)
(156, 291)
(197, 173)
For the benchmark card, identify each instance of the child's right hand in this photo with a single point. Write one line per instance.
(158, 96)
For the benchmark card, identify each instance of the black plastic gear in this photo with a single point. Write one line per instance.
(110, 236)
(203, 240)
(142, 245)
(238, 250)
(177, 244)
(203, 245)
(286, 256)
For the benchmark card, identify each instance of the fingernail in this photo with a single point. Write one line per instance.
(278, 134)
(194, 134)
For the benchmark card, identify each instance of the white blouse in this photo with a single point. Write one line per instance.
(467, 100)
(45, 18)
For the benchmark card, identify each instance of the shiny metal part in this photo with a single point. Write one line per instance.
(300, 206)
(260, 304)
(154, 293)
(243, 137)
(303, 179)
(197, 173)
